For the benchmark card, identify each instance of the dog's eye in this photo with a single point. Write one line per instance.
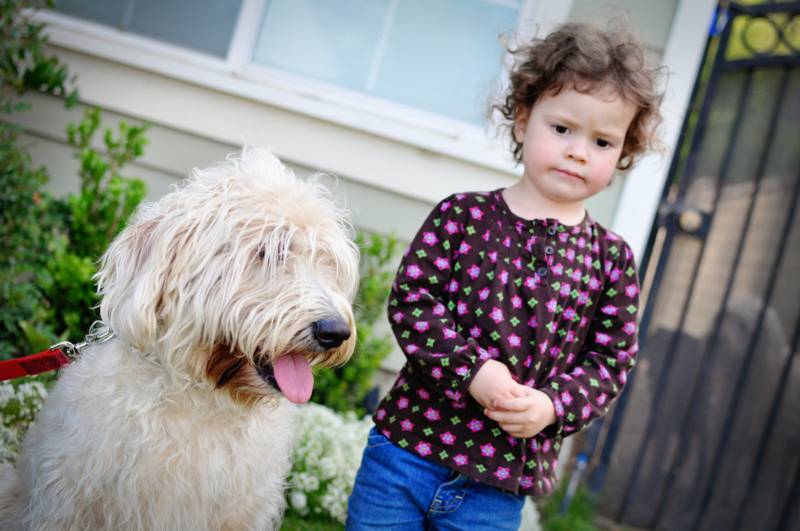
(262, 253)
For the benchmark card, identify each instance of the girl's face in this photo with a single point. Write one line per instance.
(572, 142)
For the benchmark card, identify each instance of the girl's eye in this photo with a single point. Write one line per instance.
(560, 129)
(603, 143)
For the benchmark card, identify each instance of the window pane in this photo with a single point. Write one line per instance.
(442, 56)
(206, 26)
(330, 41)
(445, 56)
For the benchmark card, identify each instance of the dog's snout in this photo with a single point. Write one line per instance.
(330, 333)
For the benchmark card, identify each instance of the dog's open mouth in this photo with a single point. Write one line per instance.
(291, 374)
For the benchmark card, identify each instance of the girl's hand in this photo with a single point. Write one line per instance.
(493, 381)
(524, 416)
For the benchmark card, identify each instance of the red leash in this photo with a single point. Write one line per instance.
(55, 357)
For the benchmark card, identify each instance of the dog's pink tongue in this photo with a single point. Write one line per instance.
(293, 374)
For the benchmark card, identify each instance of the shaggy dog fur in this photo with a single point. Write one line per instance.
(219, 295)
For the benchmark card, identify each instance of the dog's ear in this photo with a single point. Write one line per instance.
(128, 302)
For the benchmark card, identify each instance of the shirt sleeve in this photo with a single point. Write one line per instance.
(608, 354)
(420, 309)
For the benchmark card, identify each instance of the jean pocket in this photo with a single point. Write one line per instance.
(376, 438)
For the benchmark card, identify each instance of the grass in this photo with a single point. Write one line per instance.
(292, 522)
(579, 517)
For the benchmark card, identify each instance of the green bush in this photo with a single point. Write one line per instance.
(343, 389)
(579, 517)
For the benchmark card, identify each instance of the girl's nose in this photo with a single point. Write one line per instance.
(577, 150)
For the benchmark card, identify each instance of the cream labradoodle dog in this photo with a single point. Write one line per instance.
(221, 297)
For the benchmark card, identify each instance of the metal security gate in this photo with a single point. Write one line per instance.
(708, 434)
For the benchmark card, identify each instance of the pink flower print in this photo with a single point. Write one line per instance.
(566, 398)
(412, 297)
(442, 263)
(493, 257)
(601, 338)
(604, 373)
(464, 248)
(406, 425)
(615, 274)
(423, 449)
(455, 396)
(563, 237)
(397, 317)
(436, 373)
(484, 294)
(566, 289)
(622, 356)
(578, 371)
(462, 370)
(412, 348)
(473, 271)
(451, 227)
(502, 473)
(532, 322)
(423, 394)
(517, 263)
(476, 213)
(432, 414)
(496, 315)
(414, 271)
(631, 290)
(576, 275)
(516, 302)
(460, 459)
(429, 238)
(475, 332)
(622, 377)
(583, 297)
(438, 309)
(594, 283)
(402, 402)
(601, 399)
(449, 333)
(546, 446)
(445, 206)
(453, 286)
(461, 307)
(586, 411)
(569, 313)
(475, 425)
(570, 254)
(514, 340)
(494, 352)
(531, 282)
(570, 358)
(527, 363)
(487, 450)
(554, 352)
(551, 305)
(558, 269)
(584, 322)
(581, 242)
(609, 309)
(587, 260)
(422, 326)
(507, 241)
(447, 438)
(503, 276)
(570, 337)
(381, 414)
(526, 482)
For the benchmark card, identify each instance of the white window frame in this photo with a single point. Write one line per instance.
(236, 74)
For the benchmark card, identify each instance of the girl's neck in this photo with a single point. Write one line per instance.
(526, 202)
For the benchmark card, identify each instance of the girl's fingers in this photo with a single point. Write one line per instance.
(512, 404)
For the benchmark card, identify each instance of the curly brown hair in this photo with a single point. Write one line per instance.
(584, 58)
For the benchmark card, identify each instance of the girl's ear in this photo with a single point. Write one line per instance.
(521, 124)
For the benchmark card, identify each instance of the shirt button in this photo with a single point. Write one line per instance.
(549, 250)
(542, 272)
(551, 230)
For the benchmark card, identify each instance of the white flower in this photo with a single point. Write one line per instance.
(297, 500)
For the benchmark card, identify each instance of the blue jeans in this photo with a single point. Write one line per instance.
(398, 490)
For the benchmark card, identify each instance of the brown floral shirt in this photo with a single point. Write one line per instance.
(557, 304)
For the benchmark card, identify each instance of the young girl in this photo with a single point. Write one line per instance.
(515, 309)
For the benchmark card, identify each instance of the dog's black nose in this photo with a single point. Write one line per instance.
(330, 333)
